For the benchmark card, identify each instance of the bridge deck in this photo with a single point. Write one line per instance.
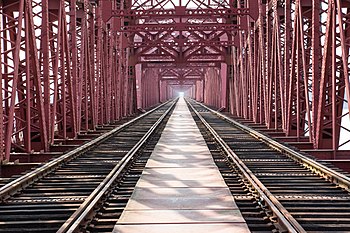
(181, 189)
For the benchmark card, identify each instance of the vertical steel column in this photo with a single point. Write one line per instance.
(24, 123)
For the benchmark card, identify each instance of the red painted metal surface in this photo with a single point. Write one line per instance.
(149, 88)
(64, 70)
(70, 65)
(290, 71)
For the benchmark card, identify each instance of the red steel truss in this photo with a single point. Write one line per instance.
(68, 66)
(290, 71)
(64, 71)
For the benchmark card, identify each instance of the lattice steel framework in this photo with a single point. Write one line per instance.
(70, 65)
(291, 71)
(63, 71)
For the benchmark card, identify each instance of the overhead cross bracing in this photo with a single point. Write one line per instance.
(180, 32)
(181, 37)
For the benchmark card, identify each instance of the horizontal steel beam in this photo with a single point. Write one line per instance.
(180, 27)
(181, 79)
(181, 12)
(186, 44)
(188, 61)
(181, 65)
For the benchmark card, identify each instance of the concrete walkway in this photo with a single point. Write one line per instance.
(181, 189)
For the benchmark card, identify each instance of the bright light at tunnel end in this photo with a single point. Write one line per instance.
(181, 94)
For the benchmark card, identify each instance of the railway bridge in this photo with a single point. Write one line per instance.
(175, 116)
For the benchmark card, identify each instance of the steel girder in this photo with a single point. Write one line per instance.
(149, 88)
(290, 70)
(22, 103)
(63, 71)
(187, 33)
(183, 35)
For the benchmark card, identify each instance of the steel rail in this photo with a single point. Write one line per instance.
(21, 182)
(320, 169)
(285, 219)
(87, 207)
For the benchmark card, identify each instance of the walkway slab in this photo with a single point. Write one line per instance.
(195, 173)
(183, 228)
(168, 193)
(181, 188)
(192, 203)
(181, 216)
(181, 163)
(181, 183)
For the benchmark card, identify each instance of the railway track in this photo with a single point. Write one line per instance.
(276, 188)
(107, 213)
(99, 130)
(253, 210)
(57, 195)
(309, 195)
(104, 215)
